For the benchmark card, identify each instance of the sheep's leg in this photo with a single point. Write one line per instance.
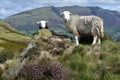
(94, 40)
(99, 41)
(77, 40)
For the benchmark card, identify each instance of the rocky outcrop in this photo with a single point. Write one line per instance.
(43, 44)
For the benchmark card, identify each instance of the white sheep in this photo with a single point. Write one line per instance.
(84, 25)
(42, 24)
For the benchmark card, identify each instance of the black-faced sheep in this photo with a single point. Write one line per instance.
(84, 25)
(42, 24)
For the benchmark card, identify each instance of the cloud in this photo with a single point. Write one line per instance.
(10, 7)
(115, 7)
(3, 11)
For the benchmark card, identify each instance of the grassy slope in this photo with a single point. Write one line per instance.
(87, 65)
(11, 39)
(10, 33)
(7, 26)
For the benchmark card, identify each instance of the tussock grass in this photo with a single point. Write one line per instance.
(89, 66)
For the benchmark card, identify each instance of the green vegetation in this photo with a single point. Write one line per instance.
(13, 36)
(10, 33)
(6, 27)
(11, 39)
(12, 46)
(114, 33)
(5, 55)
(83, 62)
(91, 66)
(11, 43)
(44, 70)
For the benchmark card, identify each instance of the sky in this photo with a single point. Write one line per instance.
(10, 7)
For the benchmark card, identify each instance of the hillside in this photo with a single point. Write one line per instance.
(26, 21)
(49, 57)
(11, 39)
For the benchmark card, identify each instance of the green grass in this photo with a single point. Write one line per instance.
(7, 26)
(11, 39)
(5, 55)
(7, 31)
(10, 49)
(102, 66)
(14, 36)
(16, 47)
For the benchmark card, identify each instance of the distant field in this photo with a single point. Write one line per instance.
(11, 45)
(11, 39)
(13, 36)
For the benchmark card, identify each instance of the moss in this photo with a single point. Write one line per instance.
(45, 33)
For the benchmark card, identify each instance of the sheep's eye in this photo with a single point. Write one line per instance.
(62, 14)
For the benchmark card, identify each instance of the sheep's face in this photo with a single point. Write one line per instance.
(66, 15)
(42, 23)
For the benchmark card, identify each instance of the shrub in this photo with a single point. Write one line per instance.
(79, 65)
(6, 54)
(43, 71)
(1, 72)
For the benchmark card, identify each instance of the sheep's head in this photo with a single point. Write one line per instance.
(66, 15)
(42, 23)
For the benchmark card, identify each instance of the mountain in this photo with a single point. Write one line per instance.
(27, 20)
(11, 39)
